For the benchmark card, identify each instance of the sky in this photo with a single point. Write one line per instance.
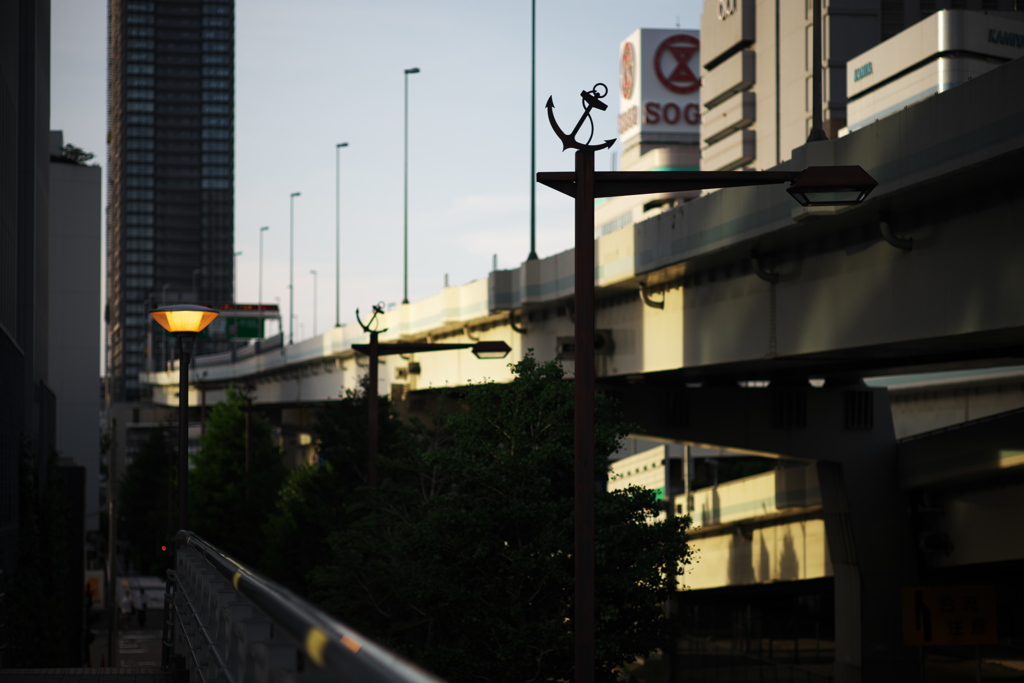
(313, 73)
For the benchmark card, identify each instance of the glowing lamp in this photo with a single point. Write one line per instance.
(184, 318)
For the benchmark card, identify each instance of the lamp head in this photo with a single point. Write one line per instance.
(832, 186)
(491, 350)
(413, 70)
(296, 194)
(342, 144)
(184, 319)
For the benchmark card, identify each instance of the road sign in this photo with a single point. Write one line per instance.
(953, 615)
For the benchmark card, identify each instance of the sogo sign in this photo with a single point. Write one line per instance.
(659, 82)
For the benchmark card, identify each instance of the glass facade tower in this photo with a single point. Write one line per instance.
(170, 218)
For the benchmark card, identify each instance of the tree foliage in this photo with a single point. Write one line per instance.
(76, 155)
(148, 504)
(232, 492)
(462, 558)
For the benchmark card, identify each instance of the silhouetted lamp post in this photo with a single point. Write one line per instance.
(337, 232)
(814, 186)
(485, 350)
(405, 219)
(291, 264)
(185, 322)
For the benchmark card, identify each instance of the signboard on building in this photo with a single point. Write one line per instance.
(951, 615)
(659, 86)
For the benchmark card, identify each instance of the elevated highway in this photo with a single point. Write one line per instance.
(716, 315)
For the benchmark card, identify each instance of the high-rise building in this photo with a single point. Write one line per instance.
(757, 59)
(170, 218)
(27, 403)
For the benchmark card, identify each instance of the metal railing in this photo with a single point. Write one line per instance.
(229, 624)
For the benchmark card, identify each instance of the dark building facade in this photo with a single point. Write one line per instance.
(27, 405)
(170, 219)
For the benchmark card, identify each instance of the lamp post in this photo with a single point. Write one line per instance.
(184, 321)
(314, 301)
(484, 350)
(337, 231)
(291, 266)
(533, 130)
(262, 230)
(405, 218)
(814, 186)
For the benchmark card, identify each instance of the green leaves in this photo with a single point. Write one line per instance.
(235, 478)
(462, 558)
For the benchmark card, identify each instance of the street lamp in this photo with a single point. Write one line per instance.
(314, 301)
(291, 266)
(184, 321)
(337, 230)
(405, 223)
(484, 350)
(814, 186)
(262, 230)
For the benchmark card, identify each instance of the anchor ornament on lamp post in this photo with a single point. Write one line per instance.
(371, 390)
(584, 473)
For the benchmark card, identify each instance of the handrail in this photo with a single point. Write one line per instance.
(329, 644)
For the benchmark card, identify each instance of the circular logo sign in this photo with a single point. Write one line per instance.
(627, 70)
(672, 63)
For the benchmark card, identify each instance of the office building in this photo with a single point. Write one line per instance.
(170, 209)
(76, 235)
(756, 57)
(27, 418)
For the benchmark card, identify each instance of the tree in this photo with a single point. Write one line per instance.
(462, 559)
(232, 491)
(148, 504)
(315, 500)
(76, 155)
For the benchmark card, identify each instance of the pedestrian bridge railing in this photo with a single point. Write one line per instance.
(228, 624)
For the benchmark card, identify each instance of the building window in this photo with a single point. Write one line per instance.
(216, 108)
(139, 118)
(140, 19)
(140, 56)
(216, 146)
(216, 59)
(139, 207)
(216, 34)
(140, 69)
(217, 171)
(139, 94)
(136, 143)
(216, 47)
(216, 134)
(216, 158)
(216, 96)
(214, 9)
(140, 81)
(139, 181)
(137, 219)
(140, 31)
(139, 106)
(216, 121)
(216, 184)
(216, 84)
(139, 156)
(140, 132)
